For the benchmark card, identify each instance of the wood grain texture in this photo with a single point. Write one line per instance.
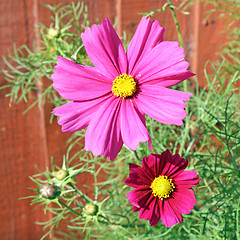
(209, 39)
(22, 143)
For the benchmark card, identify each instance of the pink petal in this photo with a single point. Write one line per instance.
(181, 209)
(75, 116)
(103, 133)
(77, 82)
(133, 127)
(169, 76)
(105, 49)
(140, 194)
(137, 177)
(186, 179)
(147, 36)
(169, 217)
(184, 197)
(164, 62)
(162, 104)
(186, 175)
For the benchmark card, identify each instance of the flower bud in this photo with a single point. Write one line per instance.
(47, 190)
(90, 209)
(53, 32)
(61, 174)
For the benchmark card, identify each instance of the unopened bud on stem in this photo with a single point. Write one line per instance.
(61, 174)
(53, 32)
(47, 190)
(90, 209)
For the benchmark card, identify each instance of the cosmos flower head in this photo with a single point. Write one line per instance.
(112, 98)
(163, 189)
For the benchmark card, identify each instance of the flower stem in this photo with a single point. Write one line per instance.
(136, 155)
(79, 193)
(185, 87)
(70, 209)
(176, 23)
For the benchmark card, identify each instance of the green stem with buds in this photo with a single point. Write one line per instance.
(105, 218)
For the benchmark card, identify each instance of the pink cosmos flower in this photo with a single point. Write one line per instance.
(113, 97)
(163, 190)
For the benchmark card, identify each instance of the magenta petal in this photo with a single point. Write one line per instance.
(148, 164)
(105, 49)
(177, 205)
(147, 208)
(174, 166)
(133, 127)
(166, 60)
(155, 165)
(158, 162)
(146, 37)
(137, 177)
(77, 82)
(139, 194)
(186, 179)
(154, 219)
(185, 197)
(135, 209)
(163, 160)
(169, 76)
(175, 211)
(103, 133)
(186, 175)
(168, 216)
(162, 104)
(75, 116)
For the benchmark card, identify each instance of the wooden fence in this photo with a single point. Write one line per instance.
(27, 140)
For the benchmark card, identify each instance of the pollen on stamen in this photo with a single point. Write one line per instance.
(124, 86)
(162, 187)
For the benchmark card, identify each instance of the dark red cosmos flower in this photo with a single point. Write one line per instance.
(163, 190)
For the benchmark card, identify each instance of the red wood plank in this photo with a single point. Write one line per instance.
(209, 39)
(22, 140)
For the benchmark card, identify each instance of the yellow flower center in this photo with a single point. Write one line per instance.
(162, 187)
(124, 86)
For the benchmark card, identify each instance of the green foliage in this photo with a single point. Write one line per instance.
(209, 138)
(29, 73)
